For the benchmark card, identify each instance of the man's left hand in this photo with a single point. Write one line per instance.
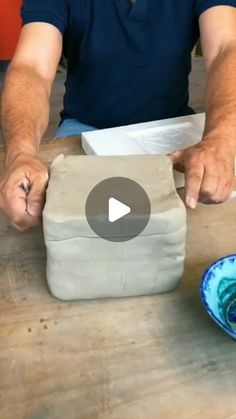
(209, 172)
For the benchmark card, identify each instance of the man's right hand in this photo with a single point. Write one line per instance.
(22, 191)
(24, 120)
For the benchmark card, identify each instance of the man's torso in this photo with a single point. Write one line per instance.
(127, 63)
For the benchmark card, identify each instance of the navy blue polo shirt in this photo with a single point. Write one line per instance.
(127, 63)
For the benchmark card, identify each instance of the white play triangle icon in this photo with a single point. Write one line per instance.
(117, 210)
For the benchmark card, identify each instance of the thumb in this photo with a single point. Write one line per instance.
(175, 157)
(36, 197)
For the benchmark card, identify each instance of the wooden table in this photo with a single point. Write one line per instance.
(158, 357)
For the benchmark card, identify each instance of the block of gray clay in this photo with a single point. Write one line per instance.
(81, 265)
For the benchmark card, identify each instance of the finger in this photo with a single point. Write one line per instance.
(176, 156)
(209, 184)
(36, 196)
(223, 171)
(14, 208)
(194, 172)
(179, 167)
(13, 201)
(25, 222)
(224, 188)
(177, 161)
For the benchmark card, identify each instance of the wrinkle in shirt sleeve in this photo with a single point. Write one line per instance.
(54, 12)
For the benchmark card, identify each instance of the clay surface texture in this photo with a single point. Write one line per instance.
(81, 265)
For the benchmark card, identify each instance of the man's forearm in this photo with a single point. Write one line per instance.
(221, 99)
(25, 111)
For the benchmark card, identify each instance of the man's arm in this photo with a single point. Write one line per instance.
(25, 114)
(209, 166)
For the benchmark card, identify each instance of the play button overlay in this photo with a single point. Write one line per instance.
(118, 209)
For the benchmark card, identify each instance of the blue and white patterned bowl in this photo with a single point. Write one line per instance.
(218, 293)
